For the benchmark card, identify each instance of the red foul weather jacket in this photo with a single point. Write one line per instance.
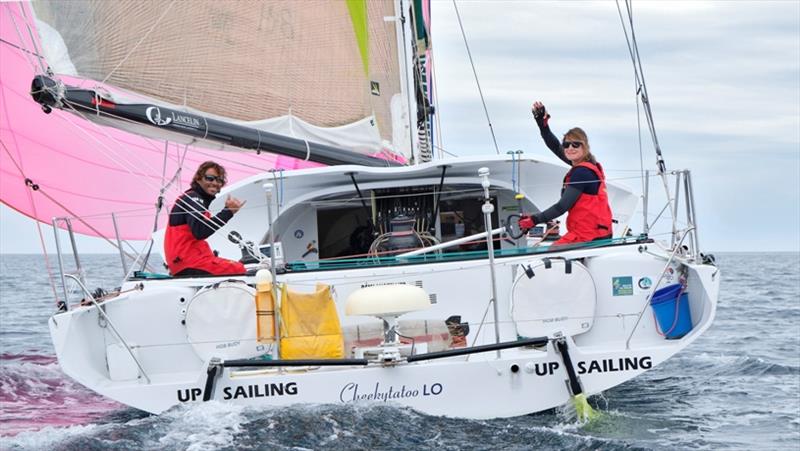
(190, 223)
(590, 217)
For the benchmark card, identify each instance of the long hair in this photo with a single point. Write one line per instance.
(577, 134)
(201, 171)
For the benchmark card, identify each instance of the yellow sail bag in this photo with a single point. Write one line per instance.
(310, 326)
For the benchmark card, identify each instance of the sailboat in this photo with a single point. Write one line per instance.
(375, 272)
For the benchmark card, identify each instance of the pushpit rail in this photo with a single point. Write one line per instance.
(675, 249)
(683, 183)
(110, 323)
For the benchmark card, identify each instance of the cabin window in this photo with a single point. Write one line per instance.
(463, 217)
(351, 230)
(343, 232)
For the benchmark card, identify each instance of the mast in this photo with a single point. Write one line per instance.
(407, 74)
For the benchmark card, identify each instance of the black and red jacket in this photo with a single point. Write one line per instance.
(190, 223)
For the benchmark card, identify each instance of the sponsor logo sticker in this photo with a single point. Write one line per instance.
(622, 286)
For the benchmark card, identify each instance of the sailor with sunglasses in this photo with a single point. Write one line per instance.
(190, 223)
(583, 193)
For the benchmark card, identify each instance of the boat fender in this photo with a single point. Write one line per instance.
(567, 266)
(547, 263)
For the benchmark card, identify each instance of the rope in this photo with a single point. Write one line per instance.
(636, 89)
(20, 48)
(122, 162)
(213, 223)
(35, 187)
(435, 102)
(641, 92)
(29, 182)
(19, 35)
(477, 82)
(33, 41)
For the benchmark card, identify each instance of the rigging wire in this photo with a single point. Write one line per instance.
(50, 276)
(142, 212)
(641, 92)
(129, 165)
(19, 48)
(477, 82)
(40, 59)
(437, 115)
(441, 149)
(27, 54)
(638, 105)
(21, 40)
(38, 188)
(642, 96)
(213, 223)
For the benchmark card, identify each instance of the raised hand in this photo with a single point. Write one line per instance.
(540, 113)
(233, 204)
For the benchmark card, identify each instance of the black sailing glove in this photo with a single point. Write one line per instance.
(541, 116)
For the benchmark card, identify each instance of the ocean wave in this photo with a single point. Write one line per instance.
(47, 438)
(213, 426)
(740, 365)
(35, 394)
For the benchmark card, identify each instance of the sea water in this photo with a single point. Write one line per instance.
(736, 387)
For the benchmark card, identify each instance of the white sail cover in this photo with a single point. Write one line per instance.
(313, 64)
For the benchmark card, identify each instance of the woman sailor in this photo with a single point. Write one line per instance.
(583, 193)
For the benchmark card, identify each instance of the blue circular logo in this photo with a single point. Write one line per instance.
(645, 283)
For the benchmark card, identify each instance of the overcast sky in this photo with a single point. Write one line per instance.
(724, 85)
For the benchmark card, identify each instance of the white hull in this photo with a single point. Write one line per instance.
(480, 386)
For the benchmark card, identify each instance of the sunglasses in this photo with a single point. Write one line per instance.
(574, 144)
(214, 178)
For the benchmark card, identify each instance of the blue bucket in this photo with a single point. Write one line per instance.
(671, 308)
